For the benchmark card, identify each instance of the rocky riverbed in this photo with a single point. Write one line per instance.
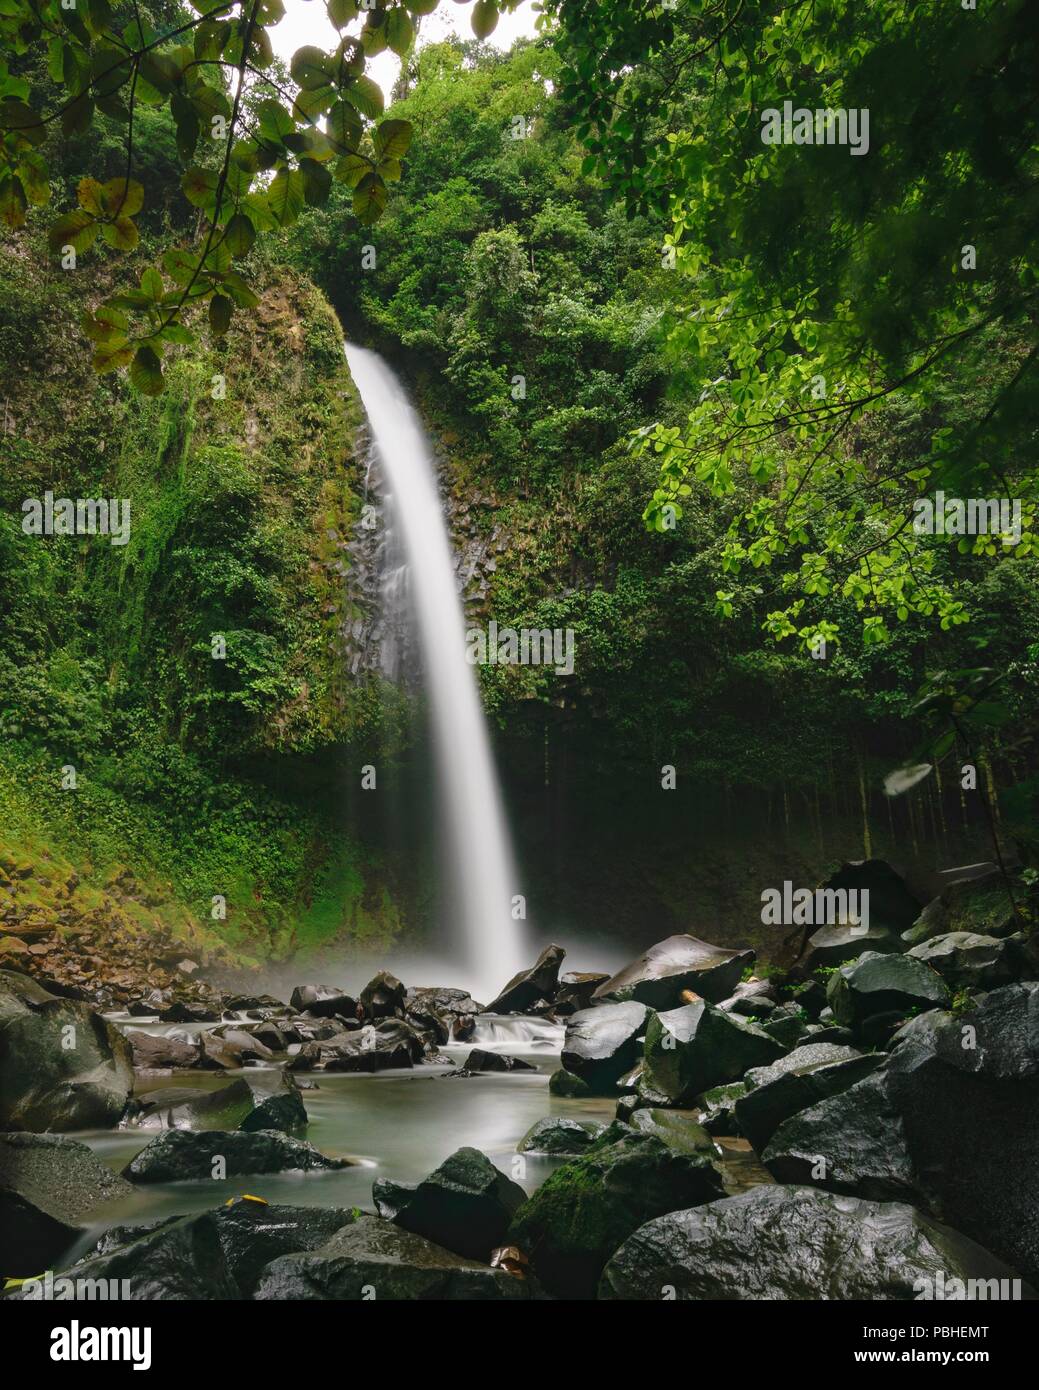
(862, 1123)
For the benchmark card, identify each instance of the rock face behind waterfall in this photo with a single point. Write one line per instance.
(62, 1067)
(659, 977)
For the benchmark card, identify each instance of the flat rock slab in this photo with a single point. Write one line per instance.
(183, 1155)
(660, 975)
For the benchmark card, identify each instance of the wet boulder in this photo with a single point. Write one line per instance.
(566, 1084)
(697, 1047)
(283, 1111)
(388, 1197)
(965, 960)
(322, 1001)
(391, 1044)
(752, 998)
(575, 991)
(808, 1074)
(941, 1123)
(180, 1107)
(62, 1066)
(662, 975)
(159, 1052)
(977, 903)
(481, 1060)
(718, 1108)
(603, 1043)
(373, 1255)
(465, 1205)
(557, 1135)
(528, 987)
(183, 1155)
(680, 1130)
(797, 1243)
(787, 1024)
(49, 1186)
(588, 1207)
(832, 946)
(383, 997)
(877, 984)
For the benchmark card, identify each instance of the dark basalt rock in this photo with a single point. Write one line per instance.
(965, 960)
(697, 1047)
(805, 1076)
(659, 976)
(878, 984)
(565, 1083)
(796, 1243)
(752, 999)
(556, 1135)
(382, 996)
(176, 1107)
(157, 1052)
(181, 1155)
(391, 1043)
(576, 990)
(832, 946)
(388, 1197)
(587, 1208)
(191, 1011)
(373, 1255)
(479, 1060)
(525, 989)
(680, 1130)
(284, 1111)
(718, 1108)
(322, 1001)
(942, 1123)
(44, 1083)
(602, 1044)
(786, 1024)
(976, 904)
(465, 1205)
(49, 1185)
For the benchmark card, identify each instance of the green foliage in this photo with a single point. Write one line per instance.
(250, 139)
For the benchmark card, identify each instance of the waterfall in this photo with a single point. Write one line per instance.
(487, 943)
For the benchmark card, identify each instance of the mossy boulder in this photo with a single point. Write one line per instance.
(878, 984)
(588, 1207)
(691, 1049)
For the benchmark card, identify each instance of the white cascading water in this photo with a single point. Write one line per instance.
(482, 873)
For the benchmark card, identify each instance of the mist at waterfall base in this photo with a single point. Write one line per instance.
(484, 944)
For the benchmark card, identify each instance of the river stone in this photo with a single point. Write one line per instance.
(465, 1205)
(680, 1130)
(373, 1255)
(47, 1085)
(880, 984)
(805, 1076)
(383, 996)
(177, 1107)
(575, 991)
(752, 999)
(525, 989)
(556, 1135)
(49, 1185)
(322, 1001)
(392, 1043)
(565, 1083)
(481, 1060)
(787, 1024)
(157, 1051)
(950, 1122)
(965, 960)
(388, 1197)
(718, 1108)
(602, 1043)
(659, 976)
(795, 1243)
(588, 1207)
(284, 1111)
(182, 1154)
(691, 1049)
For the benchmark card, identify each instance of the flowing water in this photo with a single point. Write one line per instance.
(487, 947)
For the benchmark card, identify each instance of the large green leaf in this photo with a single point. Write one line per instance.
(392, 138)
(485, 18)
(400, 32)
(366, 95)
(370, 198)
(286, 195)
(146, 372)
